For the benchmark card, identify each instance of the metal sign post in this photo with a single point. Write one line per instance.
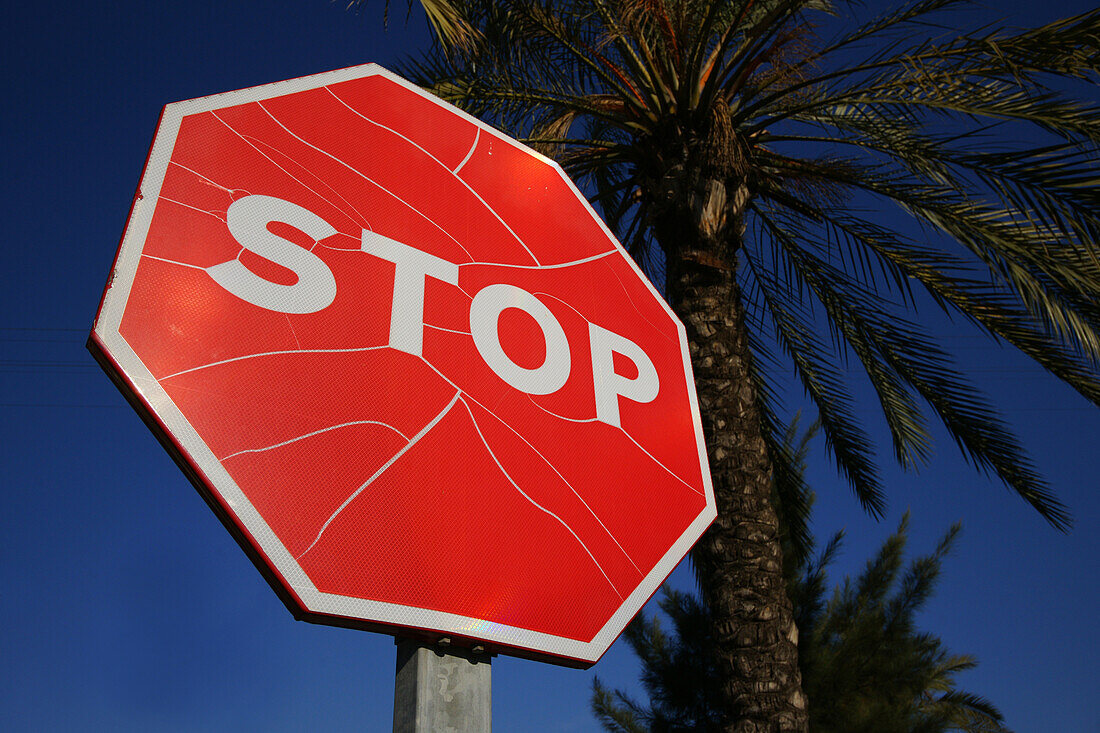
(441, 688)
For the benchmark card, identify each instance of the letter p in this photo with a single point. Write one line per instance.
(609, 385)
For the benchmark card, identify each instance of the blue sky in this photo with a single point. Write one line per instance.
(125, 604)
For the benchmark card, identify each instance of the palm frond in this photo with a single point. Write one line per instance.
(915, 359)
(823, 383)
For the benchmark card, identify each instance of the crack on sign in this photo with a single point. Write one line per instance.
(312, 433)
(366, 178)
(540, 507)
(454, 173)
(537, 452)
(415, 439)
(254, 143)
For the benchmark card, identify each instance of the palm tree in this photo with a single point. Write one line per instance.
(743, 150)
(865, 666)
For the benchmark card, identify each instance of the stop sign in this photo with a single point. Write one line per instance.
(409, 367)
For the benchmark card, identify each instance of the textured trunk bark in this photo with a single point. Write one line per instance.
(739, 559)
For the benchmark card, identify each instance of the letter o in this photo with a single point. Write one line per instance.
(485, 312)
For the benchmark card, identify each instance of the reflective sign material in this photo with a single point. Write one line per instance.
(412, 370)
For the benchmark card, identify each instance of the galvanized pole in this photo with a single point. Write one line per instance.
(441, 689)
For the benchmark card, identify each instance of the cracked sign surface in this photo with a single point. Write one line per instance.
(409, 364)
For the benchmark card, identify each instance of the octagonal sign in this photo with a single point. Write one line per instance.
(409, 367)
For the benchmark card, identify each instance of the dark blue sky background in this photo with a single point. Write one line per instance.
(124, 604)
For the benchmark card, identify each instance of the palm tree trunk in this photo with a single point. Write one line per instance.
(739, 560)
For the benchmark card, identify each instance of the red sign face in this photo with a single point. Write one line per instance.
(416, 375)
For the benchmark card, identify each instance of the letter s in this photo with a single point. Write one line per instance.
(247, 219)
